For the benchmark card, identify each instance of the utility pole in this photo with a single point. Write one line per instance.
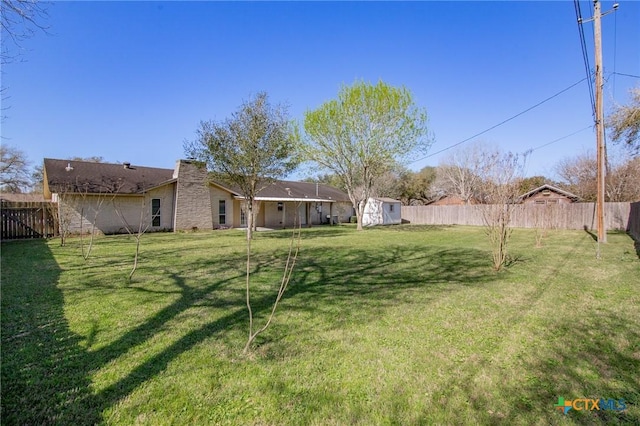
(599, 81)
(599, 118)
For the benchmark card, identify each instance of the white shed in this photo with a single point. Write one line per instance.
(382, 211)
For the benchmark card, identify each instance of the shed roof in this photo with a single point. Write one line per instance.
(387, 200)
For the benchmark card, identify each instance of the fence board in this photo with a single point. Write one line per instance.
(618, 216)
(633, 226)
(20, 220)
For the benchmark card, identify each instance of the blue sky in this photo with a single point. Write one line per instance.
(130, 81)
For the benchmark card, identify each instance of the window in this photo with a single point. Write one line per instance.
(391, 206)
(279, 207)
(243, 217)
(155, 212)
(222, 212)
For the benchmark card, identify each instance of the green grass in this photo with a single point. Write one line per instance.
(398, 325)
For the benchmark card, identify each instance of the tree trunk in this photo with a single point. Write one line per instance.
(135, 258)
(248, 290)
(249, 220)
(360, 214)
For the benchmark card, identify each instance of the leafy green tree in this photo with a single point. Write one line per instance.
(363, 134)
(530, 183)
(250, 150)
(254, 147)
(416, 187)
(327, 179)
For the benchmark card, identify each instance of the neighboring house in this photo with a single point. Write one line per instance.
(548, 194)
(121, 196)
(382, 211)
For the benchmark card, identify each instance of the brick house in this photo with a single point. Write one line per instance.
(121, 196)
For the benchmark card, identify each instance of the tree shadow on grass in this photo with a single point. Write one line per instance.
(636, 244)
(47, 373)
(597, 358)
(44, 374)
(593, 354)
(318, 231)
(338, 289)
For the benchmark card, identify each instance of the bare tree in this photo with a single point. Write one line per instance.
(137, 230)
(14, 170)
(294, 248)
(623, 179)
(37, 179)
(20, 20)
(460, 174)
(500, 174)
(578, 175)
(94, 203)
(624, 122)
(542, 222)
(65, 214)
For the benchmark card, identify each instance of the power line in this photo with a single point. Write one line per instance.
(530, 150)
(615, 48)
(627, 75)
(585, 55)
(501, 123)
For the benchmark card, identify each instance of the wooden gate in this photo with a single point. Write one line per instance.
(28, 219)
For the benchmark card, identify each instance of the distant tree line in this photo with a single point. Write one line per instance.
(453, 177)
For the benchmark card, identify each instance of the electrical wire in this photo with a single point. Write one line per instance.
(627, 75)
(585, 56)
(501, 123)
(530, 150)
(615, 47)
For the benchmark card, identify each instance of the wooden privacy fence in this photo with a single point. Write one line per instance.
(28, 220)
(618, 216)
(633, 227)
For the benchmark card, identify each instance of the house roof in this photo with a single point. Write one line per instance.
(283, 190)
(386, 199)
(94, 178)
(454, 198)
(546, 186)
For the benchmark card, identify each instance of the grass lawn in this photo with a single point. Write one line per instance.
(396, 325)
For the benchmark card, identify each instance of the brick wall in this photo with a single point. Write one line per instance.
(193, 202)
